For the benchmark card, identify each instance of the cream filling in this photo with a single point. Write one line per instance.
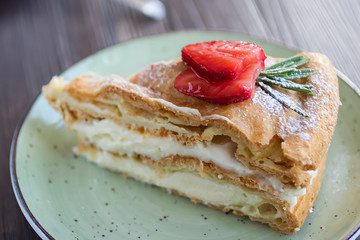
(228, 161)
(107, 135)
(219, 194)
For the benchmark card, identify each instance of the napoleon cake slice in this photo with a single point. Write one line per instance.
(254, 158)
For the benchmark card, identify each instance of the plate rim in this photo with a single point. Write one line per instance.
(38, 228)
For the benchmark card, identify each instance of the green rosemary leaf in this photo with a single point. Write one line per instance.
(277, 71)
(282, 98)
(308, 86)
(281, 82)
(295, 74)
(287, 62)
(303, 61)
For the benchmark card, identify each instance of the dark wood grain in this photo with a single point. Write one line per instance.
(42, 38)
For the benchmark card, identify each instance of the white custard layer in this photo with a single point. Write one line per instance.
(193, 186)
(107, 135)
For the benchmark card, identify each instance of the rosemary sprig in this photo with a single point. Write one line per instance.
(282, 98)
(287, 73)
(279, 74)
(281, 82)
(291, 61)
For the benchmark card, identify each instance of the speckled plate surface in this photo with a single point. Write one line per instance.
(65, 197)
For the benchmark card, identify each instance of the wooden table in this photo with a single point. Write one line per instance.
(41, 38)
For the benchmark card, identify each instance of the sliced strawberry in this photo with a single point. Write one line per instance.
(222, 60)
(225, 92)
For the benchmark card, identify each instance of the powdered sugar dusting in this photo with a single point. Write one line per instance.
(298, 126)
(158, 77)
(267, 102)
(321, 106)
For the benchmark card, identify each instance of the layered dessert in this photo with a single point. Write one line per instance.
(255, 157)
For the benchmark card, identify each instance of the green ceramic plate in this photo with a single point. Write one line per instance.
(65, 197)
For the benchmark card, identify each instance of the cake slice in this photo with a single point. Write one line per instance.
(255, 158)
